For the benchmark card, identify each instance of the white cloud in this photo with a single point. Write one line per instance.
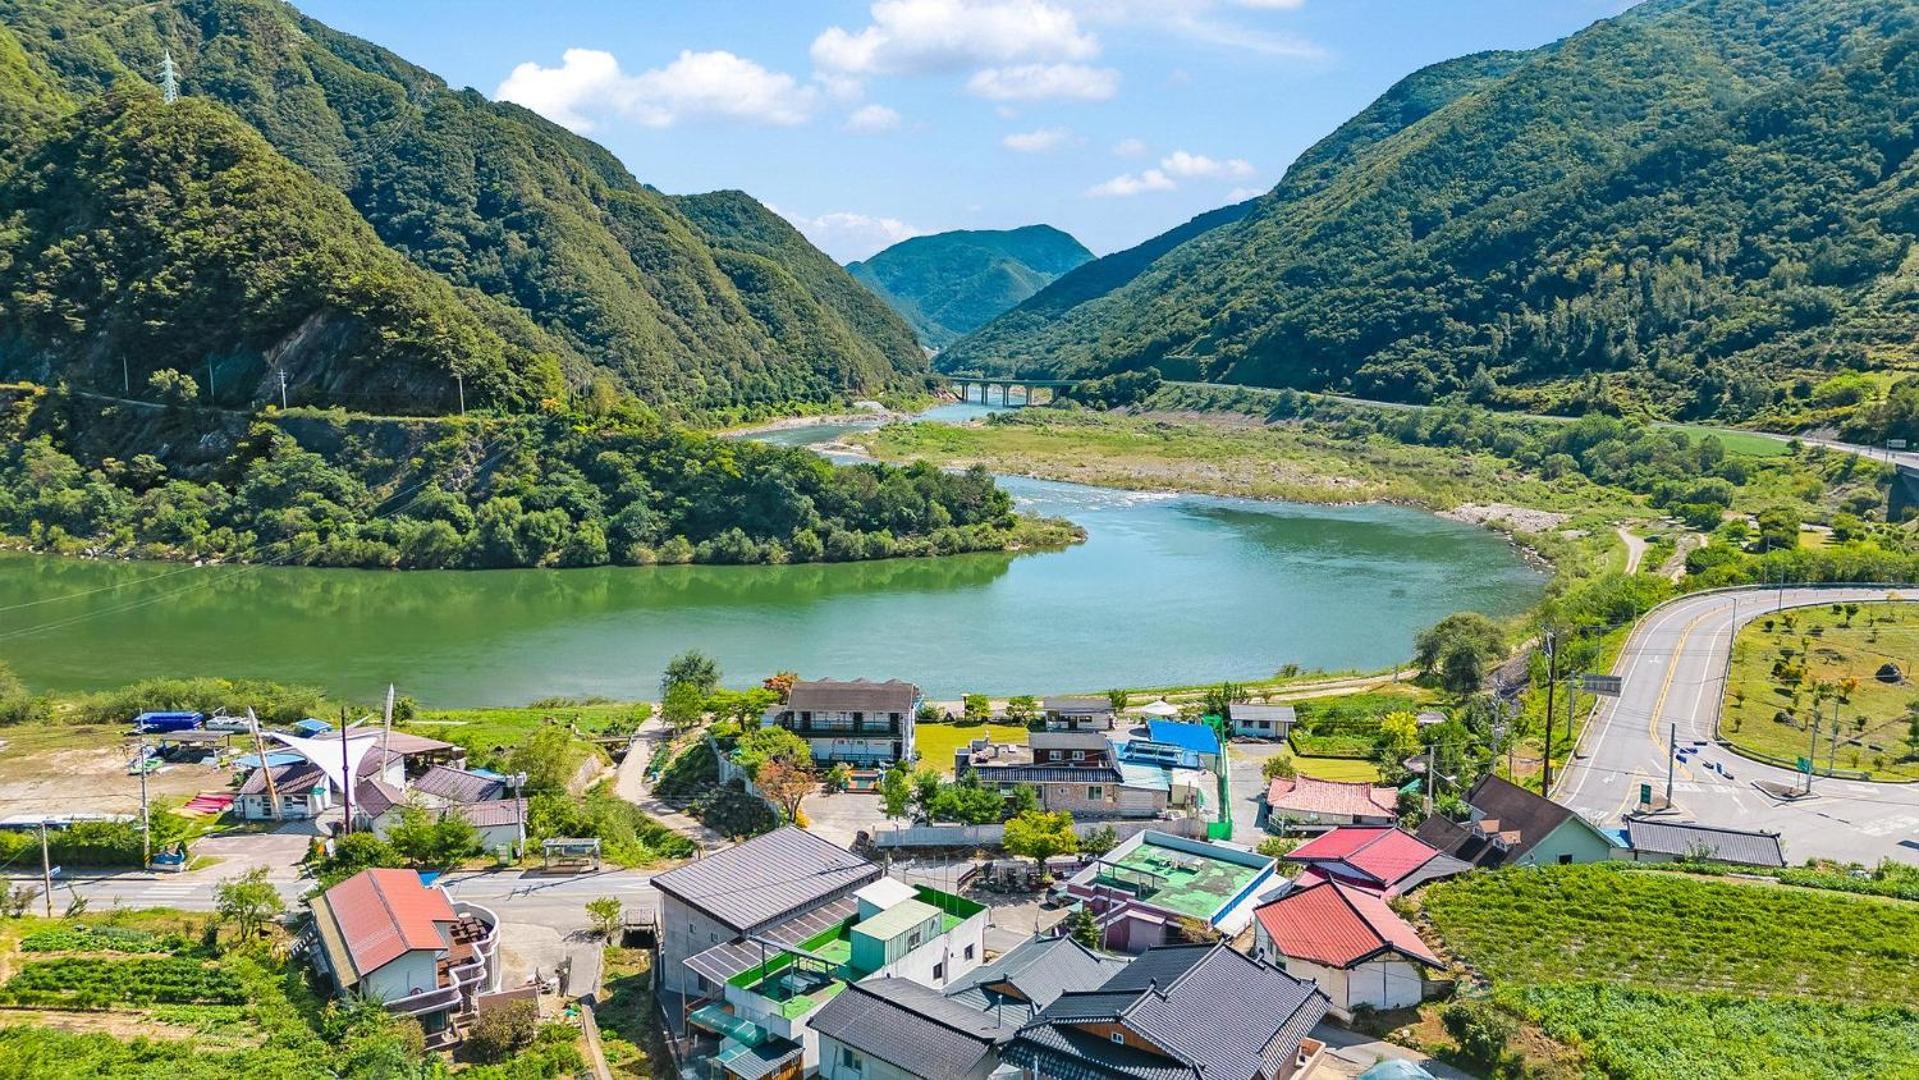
(1037, 142)
(911, 37)
(696, 85)
(872, 120)
(1129, 147)
(1241, 194)
(1271, 5)
(1201, 21)
(1133, 184)
(848, 236)
(1199, 166)
(1029, 82)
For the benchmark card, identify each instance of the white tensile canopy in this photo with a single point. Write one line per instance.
(325, 753)
(1158, 708)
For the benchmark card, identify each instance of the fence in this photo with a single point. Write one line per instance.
(992, 836)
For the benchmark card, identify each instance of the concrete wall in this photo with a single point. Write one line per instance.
(955, 953)
(412, 972)
(293, 807)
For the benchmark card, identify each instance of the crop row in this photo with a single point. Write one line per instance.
(90, 982)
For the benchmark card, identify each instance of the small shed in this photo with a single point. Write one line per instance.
(310, 727)
(890, 935)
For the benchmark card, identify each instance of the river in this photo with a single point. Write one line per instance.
(1166, 589)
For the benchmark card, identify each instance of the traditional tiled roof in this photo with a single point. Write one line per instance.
(769, 877)
(912, 1027)
(859, 695)
(383, 914)
(1376, 856)
(1340, 926)
(1689, 838)
(1033, 976)
(459, 785)
(1214, 1012)
(1310, 795)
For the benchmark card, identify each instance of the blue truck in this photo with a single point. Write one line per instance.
(152, 723)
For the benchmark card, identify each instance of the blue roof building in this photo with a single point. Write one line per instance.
(1199, 738)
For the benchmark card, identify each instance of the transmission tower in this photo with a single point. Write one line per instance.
(169, 79)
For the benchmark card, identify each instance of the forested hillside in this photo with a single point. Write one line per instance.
(1701, 206)
(634, 288)
(949, 284)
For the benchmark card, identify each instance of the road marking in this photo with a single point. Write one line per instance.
(1659, 705)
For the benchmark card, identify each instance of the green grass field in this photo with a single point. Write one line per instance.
(1738, 443)
(1348, 769)
(1610, 924)
(938, 741)
(1776, 666)
(486, 730)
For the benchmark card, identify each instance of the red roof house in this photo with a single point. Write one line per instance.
(1383, 860)
(1347, 940)
(1305, 800)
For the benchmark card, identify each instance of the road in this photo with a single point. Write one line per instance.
(1674, 668)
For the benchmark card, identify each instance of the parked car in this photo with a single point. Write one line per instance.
(227, 723)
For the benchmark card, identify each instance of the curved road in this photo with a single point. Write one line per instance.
(1674, 667)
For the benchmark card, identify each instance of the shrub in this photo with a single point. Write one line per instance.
(500, 1034)
(1480, 1033)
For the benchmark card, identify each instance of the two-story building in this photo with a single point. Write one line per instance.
(1074, 771)
(1076, 713)
(861, 723)
(385, 936)
(1141, 891)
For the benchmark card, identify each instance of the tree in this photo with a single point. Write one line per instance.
(1038, 835)
(1024, 797)
(745, 707)
(248, 901)
(786, 783)
(499, 1034)
(1218, 701)
(768, 744)
(837, 778)
(1118, 699)
(976, 708)
(926, 789)
(432, 839)
(968, 802)
(1778, 529)
(549, 757)
(781, 683)
(1100, 840)
(604, 913)
(174, 389)
(896, 790)
(694, 668)
(1083, 927)
(1399, 733)
(1459, 649)
(1280, 764)
(1023, 709)
(683, 707)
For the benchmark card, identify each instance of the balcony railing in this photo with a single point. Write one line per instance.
(459, 983)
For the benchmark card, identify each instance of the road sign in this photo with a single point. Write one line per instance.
(1608, 685)
(1895, 444)
(1645, 794)
(1804, 765)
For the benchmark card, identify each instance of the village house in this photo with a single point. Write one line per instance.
(1388, 861)
(1020, 983)
(443, 785)
(1511, 826)
(1261, 721)
(1141, 891)
(1074, 771)
(1077, 713)
(1199, 740)
(303, 788)
(1656, 840)
(759, 1022)
(1178, 1012)
(1308, 802)
(1348, 942)
(384, 936)
(861, 723)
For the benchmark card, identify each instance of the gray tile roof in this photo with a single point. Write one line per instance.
(1038, 971)
(1076, 705)
(1219, 1014)
(376, 797)
(1747, 848)
(1515, 808)
(1067, 740)
(493, 812)
(459, 785)
(912, 1027)
(859, 695)
(1241, 711)
(299, 776)
(766, 879)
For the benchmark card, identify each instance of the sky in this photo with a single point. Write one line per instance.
(868, 122)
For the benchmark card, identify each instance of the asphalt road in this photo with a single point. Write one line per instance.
(1674, 669)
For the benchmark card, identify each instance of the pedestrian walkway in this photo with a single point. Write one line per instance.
(630, 782)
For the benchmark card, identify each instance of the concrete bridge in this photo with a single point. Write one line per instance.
(1027, 388)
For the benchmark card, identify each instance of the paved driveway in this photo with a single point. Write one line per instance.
(1247, 786)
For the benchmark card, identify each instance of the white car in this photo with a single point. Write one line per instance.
(227, 723)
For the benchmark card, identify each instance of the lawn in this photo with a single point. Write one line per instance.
(1737, 443)
(1780, 661)
(485, 730)
(1348, 769)
(1670, 931)
(937, 742)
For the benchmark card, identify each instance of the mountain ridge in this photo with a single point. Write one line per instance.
(948, 284)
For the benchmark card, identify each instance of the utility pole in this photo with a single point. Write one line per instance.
(126, 379)
(346, 780)
(1812, 750)
(283, 390)
(266, 769)
(1432, 775)
(460, 381)
(1832, 753)
(1672, 755)
(46, 868)
(213, 389)
(146, 820)
(1552, 679)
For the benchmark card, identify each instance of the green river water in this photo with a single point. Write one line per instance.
(1167, 589)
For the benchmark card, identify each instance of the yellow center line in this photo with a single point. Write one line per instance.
(1659, 706)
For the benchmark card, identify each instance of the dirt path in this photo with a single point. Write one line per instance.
(630, 782)
(1635, 549)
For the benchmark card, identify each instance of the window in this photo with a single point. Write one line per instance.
(969, 952)
(1079, 755)
(1118, 1038)
(712, 939)
(850, 1058)
(939, 972)
(1565, 860)
(1096, 792)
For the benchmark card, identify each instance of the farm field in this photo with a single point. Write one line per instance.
(1330, 768)
(1671, 931)
(1788, 667)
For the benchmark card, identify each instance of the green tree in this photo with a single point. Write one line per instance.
(683, 707)
(761, 745)
(926, 789)
(503, 1032)
(896, 790)
(1399, 733)
(1778, 529)
(693, 668)
(1459, 649)
(604, 913)
(1039, 836)
(248, 901)
(1024, 798)
(1022, 709)
(1083, 927)
(1100, 840)
(1118, 699)
(976, 708)
(1280, 764)
(432, 839)
(174, 389)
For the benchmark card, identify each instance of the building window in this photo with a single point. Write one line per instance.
(849, 1058)
(1118, 1038)
(1079, 755)
(1096, 793)
(1565, 860)
(939, 971)
(969, 952)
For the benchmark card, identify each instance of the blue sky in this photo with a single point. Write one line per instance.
(865, 122)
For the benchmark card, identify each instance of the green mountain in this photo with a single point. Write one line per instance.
(1696, 201)
(720, 311)
(949, 284)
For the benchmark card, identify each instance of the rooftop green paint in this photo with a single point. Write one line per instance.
(1182, 882)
